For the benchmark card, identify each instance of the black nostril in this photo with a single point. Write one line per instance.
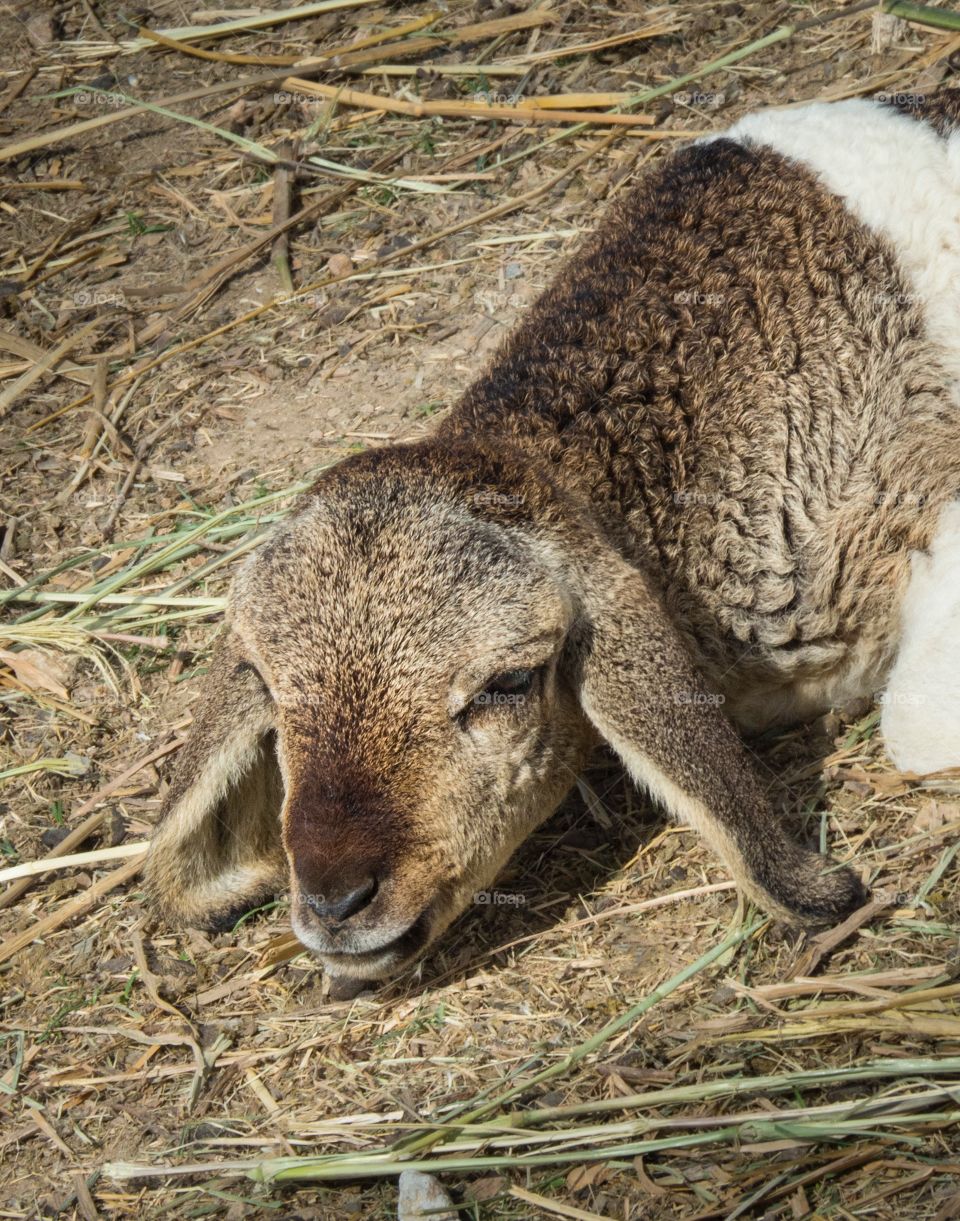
(342, 906)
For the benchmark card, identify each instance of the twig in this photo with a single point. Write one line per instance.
(97, 415)
(221, 57)
(922, 14)
(601, 44)
(110, 422)
(18, 87)
(239, 85)
(84, 600)
(118, 501)
(92, 823)
(92, 14)
(257, 21)
(282, 183)
(47, 361)
(32, 351)
(75, 907)
(825, 943)
(33, 869)
(14, 576)
(439, 39)
(543, 1204)
(225, 57)
(524, 112)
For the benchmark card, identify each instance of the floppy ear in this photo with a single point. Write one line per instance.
(641, 690)
(217, 851)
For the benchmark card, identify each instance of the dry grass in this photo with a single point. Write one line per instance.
(233, 254)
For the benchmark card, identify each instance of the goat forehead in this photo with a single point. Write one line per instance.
(366, 627)
(384, 547)
(366, 595)
(380, 670)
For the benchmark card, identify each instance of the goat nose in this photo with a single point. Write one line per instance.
(344, 904)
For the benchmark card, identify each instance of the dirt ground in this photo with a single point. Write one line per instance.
(149, 388)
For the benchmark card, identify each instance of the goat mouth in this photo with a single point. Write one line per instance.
(369, 962)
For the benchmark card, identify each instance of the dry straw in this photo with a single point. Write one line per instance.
(799, 1089)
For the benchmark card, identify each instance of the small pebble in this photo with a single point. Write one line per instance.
(340, 264)
(419, 1195)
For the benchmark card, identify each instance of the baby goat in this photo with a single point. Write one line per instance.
(710, 484)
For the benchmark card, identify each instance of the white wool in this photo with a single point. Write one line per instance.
(921, 705)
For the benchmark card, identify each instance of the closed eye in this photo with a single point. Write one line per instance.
(510, 689)
(510, 682)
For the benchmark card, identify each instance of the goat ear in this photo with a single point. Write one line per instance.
(641, 690)
(217, 849)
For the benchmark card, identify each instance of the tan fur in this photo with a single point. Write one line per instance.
(682, 514)
(222, 850)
